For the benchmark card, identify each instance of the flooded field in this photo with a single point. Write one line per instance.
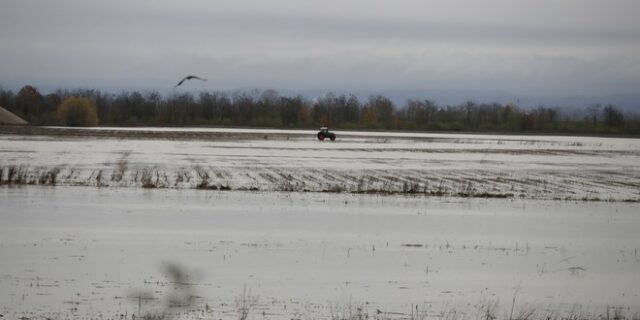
(79, 251)
(271, 224)
(486, 166)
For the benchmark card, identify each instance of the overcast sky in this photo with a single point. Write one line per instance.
(527, 47)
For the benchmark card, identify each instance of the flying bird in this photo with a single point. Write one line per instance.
(189, 78)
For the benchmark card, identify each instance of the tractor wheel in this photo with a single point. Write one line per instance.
(320, 136)
(333, 137)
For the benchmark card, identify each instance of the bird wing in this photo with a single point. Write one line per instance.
(189, 77)
(181, 81)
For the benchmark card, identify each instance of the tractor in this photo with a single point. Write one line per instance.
(325, 133)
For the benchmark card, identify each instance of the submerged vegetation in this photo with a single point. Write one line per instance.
(273, 180)
(270, 109)
(488, 310)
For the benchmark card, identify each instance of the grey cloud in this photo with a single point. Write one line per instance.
(360, 29)
(334, 46)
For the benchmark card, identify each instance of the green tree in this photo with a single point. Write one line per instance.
(30, 104)
(78, 112)
(382, 109)
(612, 117)
(8, 100)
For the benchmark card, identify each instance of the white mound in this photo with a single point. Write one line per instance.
(7, 117)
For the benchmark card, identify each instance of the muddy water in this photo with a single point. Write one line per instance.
(67, 251)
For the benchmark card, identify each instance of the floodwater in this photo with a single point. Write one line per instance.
(523, 167)
(102, 252)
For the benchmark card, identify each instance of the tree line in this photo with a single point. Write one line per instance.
(270, 109)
